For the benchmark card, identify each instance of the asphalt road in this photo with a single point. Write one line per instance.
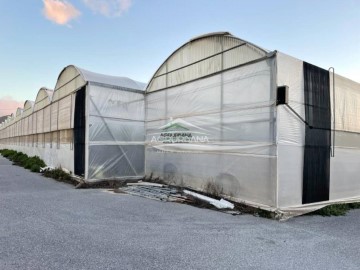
(49, 225)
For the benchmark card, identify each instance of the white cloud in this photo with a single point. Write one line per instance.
(109, 8)
(8, 105)
(60, 11)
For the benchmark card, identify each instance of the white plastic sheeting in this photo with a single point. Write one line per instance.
(203, 56)
(72, 78)
(254, 151)
(114, 125)
(221, 130)
(344, 167)
(290, 132)
(230, 120)
(108, 80)
(347, 104)
(116, 133)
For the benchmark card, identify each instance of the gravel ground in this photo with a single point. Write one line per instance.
(49, 225)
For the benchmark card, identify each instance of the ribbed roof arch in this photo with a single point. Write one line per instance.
(72, 78)
(28, 108)
(202, 56)
(43, 98)
(18, 115)
(10, 120)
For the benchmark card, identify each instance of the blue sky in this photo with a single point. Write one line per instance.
(133, 37)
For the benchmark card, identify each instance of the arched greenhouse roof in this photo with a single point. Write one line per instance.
(72, 78)
(28, 108)
(202, 56)
(10, 120)
(18, 115)
(43, 98)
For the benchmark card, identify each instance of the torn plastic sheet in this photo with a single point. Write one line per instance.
(289, 212)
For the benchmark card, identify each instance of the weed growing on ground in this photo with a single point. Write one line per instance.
(336, 209)
(213, 188)
(57, 174)
(18, 158)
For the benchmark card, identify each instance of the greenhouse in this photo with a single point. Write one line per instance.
(91, 125)
(256, 126)
(220, 115)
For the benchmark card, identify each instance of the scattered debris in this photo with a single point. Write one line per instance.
(233, 212)
(141, 183)
(220, 204)
(47, 168)
(161, 193)
(166, 193)
(81, 183)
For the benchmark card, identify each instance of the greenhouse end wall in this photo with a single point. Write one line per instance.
(218, 131)
(345, 138)
(115, 133)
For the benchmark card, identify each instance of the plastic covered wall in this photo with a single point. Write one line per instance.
(344, 167)
(290, 132)
(116, 132)
(217, 132)
(45, 132)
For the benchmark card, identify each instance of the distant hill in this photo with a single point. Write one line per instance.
(2, 118)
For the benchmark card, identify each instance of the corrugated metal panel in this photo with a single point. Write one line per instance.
(20, 129)
(66, 136)
(240, 55)
(54, 116)
(47, 115)
(72, 110)
(40, 121)
(194, 51)
(34, 127)
(26, 126)
(30, 125)
(157, 83)
(64, 113)
(193, 72)
(48, 138)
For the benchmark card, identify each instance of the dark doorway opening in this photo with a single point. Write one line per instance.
(79, 132)
(316, 171)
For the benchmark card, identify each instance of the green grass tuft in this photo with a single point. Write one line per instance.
(57, 174)
(31, 163)
(336, 209)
